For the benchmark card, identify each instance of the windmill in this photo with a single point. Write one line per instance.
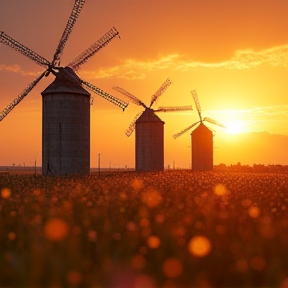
(66, 103)
(201, 140)
(149, 130)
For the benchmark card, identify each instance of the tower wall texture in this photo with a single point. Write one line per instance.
(65, 126)
(202, 149)
(149, 146)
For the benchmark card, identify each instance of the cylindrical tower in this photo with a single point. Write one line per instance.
(65, 127)
(149, 142)
(202, 148)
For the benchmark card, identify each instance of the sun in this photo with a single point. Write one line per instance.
(235, 127)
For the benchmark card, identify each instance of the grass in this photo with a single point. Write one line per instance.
(127, 229)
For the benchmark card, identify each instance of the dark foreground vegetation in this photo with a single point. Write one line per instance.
(144, 230)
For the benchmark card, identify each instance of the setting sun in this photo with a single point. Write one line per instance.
(235, 127)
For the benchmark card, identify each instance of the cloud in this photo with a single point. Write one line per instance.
(242, 59)
(245, 59)
(133, 69)
(14, 68)
(17, 69)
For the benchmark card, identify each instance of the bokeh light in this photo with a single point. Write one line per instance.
(151, 197)
(137, 184)
(5, 193)
(199, 246)
(172, 268)
(153, 242)
(254, 212)
(56, 229)
(220, 190)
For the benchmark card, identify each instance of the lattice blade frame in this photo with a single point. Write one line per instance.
(20, 97)
(93, 49)
(132, 125)
(131, 97)
(185, 130)
(214, 122)
(174, 109)
(9, 41)
(78, 5)
(117, 102)
(197, 103)
(120, 103)
(160, 91)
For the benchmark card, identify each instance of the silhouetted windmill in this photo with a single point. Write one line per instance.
(201, 139)
(149, 130)
(66, 104)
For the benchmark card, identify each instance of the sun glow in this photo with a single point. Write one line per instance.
(235, 127)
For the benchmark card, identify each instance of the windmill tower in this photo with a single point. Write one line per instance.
(66, 103)
(149, 130)
(201, 140)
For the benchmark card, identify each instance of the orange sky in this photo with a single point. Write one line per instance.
(233, 53)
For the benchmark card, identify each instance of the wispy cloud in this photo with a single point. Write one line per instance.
(245, 59)
(137, 69)
(17, 69)
(242, 59)
(134, 69)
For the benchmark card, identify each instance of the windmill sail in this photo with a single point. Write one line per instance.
(20, 97)
(160, 91)
(132, 125)
(94, 48)
(197, 103)
(9, 41)
(78, 5)
(133, 98)
(185, 130)
(198, 107)
(174, 109)
(214, 122)
(105, 95)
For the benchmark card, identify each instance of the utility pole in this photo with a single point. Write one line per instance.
(35, 164)
(99, 163)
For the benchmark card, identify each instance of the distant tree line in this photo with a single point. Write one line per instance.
(274, 168)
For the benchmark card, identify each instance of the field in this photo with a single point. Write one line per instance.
(144, 230)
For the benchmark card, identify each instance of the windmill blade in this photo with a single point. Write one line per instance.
(72, 75)
(133, 98)
(20, 97)
(214, 122)
(174, 109)
(197, 103)
(7, 40)
(105, 95)
(160, 91)
(78, 5)
(94, 48)
(132, 125)
(185, 130)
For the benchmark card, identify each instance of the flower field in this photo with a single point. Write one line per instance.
(144, 230)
